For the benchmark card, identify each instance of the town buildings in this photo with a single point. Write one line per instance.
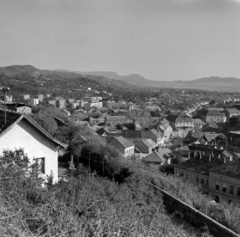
(214, 168)
(61, 103)
(183, 123)
(123, 145)
(19, 107)
(232, 112)
(214, 116)
(33, 101)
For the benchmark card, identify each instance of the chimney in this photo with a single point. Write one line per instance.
(230, 158)
(219, 156)
(224, 160)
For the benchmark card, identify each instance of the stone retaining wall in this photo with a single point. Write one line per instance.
(195, 217)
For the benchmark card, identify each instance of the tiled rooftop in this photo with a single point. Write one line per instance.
(154, 157)
(11, 117)
(200, 165)
(126, 143)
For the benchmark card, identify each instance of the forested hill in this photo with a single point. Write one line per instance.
(28, 79)
(27, 76)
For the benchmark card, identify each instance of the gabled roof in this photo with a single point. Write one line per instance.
(202, 166)
(156, 133)
(195, 134)
(146, 142)
(233, 111)
(154, 157)
(123, 141)
(13, 118)
(211, 137)
(198, 121)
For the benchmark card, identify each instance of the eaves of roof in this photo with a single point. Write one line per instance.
(36, 125)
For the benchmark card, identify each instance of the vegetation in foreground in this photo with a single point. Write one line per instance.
(86, 205)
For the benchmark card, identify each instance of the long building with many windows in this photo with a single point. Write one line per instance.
(217, 171)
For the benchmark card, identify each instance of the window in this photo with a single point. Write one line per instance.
(224, 187)
(202, 181)
(217, 185)
(238, 191)
(40, 164)
(207, 181)
(197, 179)
(231, 189)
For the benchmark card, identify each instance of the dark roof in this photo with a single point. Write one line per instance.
(147, 142)
(115, 118)
(212, 136)
(183, 120)
(231, 168)
(103, 130)
(123, 141)
(171, 118)
(215, 113)
(195, 134)
(154, 157)
(202, 166)
(198, 121)
(11, 117)
(156, 133)
(15, 117)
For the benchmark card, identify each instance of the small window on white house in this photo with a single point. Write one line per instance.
(40, 164)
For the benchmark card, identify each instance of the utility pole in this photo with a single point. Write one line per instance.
(4, 89)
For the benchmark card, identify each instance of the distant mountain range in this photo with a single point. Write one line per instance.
(206, 83)
(215, 83)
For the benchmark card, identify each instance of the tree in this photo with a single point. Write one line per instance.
(45, 120)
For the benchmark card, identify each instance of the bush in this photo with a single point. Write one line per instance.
(84, 206)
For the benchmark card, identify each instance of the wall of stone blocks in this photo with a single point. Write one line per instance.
(195, 217)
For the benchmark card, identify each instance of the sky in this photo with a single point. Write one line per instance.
(161, 40)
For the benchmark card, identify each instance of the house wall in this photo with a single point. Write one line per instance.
(129, 152)
(113, 105)
(142, 147)
(228, 180)
(217, 119)
(125, 151)
(23, 135)
(194, 177)
(184, 125)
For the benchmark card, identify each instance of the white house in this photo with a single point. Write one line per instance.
(33, 101)
(21, 131)
(123, 145)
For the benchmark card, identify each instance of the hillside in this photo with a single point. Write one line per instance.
(132, 78)
(102, 80)
(28, 79)
(208, 83)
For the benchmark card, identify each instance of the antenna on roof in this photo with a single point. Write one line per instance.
(4, 89)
